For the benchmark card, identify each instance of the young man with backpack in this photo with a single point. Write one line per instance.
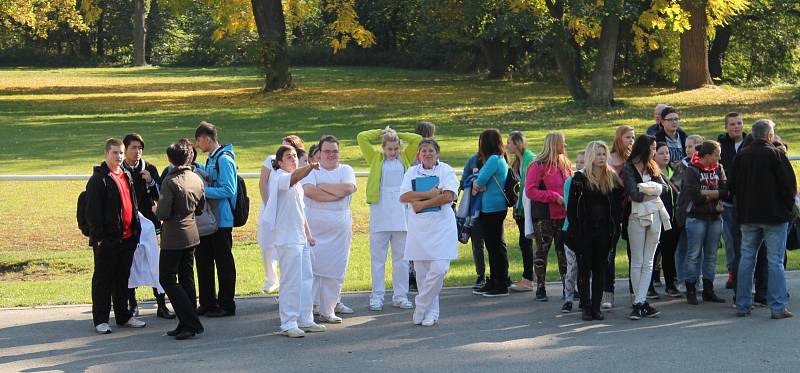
(111, 216)
(215, 249)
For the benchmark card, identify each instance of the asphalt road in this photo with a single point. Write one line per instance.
(475, 334)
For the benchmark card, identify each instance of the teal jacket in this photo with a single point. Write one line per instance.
(373, 154)
(492, 176)
(527, 158)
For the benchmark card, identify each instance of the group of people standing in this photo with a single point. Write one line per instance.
(668, 195)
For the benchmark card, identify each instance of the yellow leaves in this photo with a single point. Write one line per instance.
(232, 16)
(41, 16)
(584, 28)
(719, 11)
(345, 27)
(537, 7)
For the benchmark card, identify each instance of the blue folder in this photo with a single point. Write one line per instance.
(424, 184)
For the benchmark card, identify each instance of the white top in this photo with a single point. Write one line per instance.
(290, 222)
(144, 268)
(339, 175)
(432, 235)
(389, 214)
(268, 162)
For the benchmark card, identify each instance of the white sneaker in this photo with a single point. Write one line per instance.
(341, 308)
(135, 323)
(418, 317)
(314, 328)
(403, 304)
(315, 310)
(293, 333)
(103, 329)
(608, 301)
(376, 305)
(682, 287)
(332, 319)
(270, 289)
(429, 321)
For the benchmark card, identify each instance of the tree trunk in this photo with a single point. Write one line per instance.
(271, 26)
(153, 19)
(717, 53)
(139, 32)
(100, 48)
(493, 53)
(694, 48)
(603, 77)
(565, 53)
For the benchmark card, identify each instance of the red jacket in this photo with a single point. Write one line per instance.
(545, 186)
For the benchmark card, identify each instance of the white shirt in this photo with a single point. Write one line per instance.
(432, 235)
(340, 175)
(290, 221)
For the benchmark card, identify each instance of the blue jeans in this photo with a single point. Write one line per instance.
(774, 236)
(702, 235)
(731, 234)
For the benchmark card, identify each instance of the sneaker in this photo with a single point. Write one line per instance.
(102, 328)
(636, 314)
(541, 294)
(567, 307)
(314, 328)
(332, 319)
(782, 315)
(418, 317)
(135, 323)
(608, 301)
(376, 305)
(522, 285)
(270, 289)
(658, 284)
(428, 321)
(682, 287)
(403, 304)
(652, 294)
(341, 308)
(744, 313)
(674, 293)
(294, 333)
(649, 311)
(479, 282)
(484, 289)
(497, 292)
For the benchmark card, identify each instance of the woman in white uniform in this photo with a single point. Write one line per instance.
(265, 241)
(328, 192)
(432, 240)
(387, 221)
(292, 238)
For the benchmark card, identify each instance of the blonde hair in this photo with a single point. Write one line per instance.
(519, 140)
(600, 179)
(550, 157)
(622, 150)
(389, 135)
(695, 139)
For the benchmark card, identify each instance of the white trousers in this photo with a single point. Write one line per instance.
(326, 293)
(430, 279)
(294, 302)
(269, 258)
(379, 250)
(643, 241)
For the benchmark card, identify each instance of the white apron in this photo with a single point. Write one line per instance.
(332, 229)
(432, 235)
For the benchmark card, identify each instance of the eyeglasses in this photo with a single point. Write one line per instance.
(676, 119)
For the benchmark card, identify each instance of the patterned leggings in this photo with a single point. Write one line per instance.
(547, 231)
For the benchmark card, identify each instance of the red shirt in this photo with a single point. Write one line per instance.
(127, 204)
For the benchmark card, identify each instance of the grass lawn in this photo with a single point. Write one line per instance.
(55, 121)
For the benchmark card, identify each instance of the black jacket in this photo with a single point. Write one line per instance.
(146, 196)
(104, 207)
(729, 152)
(579, 234)
(763, 184)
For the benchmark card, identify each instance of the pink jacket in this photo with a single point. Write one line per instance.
(553, 181)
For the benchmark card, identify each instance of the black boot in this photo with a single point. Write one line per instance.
(708, 292)
(691, 294)
(586, 314)
(162, 311)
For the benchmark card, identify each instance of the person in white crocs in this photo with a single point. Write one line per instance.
(432, 240)
(387, 221)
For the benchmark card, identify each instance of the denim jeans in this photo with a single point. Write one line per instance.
(702, 235)
(774, 236)
(730, 234)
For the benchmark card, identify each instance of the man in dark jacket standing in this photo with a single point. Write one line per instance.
(731, 143)
(112, 216)
(763, 184)
(146, 182)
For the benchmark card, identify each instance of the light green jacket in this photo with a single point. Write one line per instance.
(374, 156)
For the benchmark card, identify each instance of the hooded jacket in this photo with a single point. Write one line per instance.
(146, 195)
(104, 207)
(223, 183)
(698, 177)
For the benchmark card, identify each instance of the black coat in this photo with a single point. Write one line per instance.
(728, 153)
(104, 207)
(146, 195)
(579, 232)
(763, 184)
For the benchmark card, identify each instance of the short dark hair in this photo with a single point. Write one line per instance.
(429, 141)
(113, 142)
(314, 149)
(327, 138)
(668, 110)
(206, 129)
(190, 146)
(131, 137)
(300, 153)
(732, 114)
(279, 155)
(179, 154)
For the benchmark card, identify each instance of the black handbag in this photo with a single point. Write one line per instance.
(540, 210)
(510, 188)
(793, 237)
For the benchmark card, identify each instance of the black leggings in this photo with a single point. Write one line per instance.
(526, 247)
(493, 237)
(592, 267)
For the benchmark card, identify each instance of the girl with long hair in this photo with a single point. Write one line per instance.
(523, 157)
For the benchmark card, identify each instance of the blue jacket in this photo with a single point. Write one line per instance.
(493, 199)
(223, 183)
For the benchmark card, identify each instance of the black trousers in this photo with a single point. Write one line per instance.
(592, 271)
(667, 245)
(611, 265)
(476, 240)
(526, 247)
(213, 252)
(181, 293)
(112, 267)
(493, 237)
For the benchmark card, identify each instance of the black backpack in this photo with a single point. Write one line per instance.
(510, 188)
(241, 210)
(80, 214)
